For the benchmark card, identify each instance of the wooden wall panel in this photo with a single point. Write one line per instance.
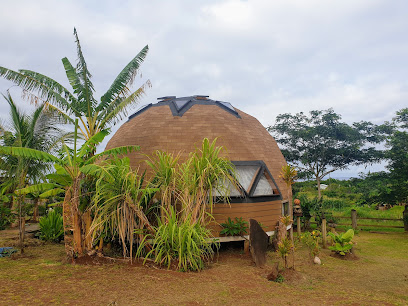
(267, 213)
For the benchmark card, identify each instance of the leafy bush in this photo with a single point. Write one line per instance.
(184, 243)
(231, 228)
(6, 217)
(342, 242)
(51, 227)
(311, 240)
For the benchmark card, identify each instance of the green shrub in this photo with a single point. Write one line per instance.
(231, 228)
(311, 240)
(51, 227)
(280, 279)
(342, 242)
(6, 217)
(186, 244)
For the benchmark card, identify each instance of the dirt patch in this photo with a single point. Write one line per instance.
(348, 256)
(95, 260)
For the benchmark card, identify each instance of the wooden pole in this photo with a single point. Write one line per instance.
(405, 217)
(324, 233)
(246, 247)
(299, 230)
(354, 218)
(291, 233)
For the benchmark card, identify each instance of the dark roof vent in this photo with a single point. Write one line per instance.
(199, 97)
(166, 98)
(181, 105)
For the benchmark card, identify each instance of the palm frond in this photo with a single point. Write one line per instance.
(120, 86)
(85, 76)
(91, 143)
(44, 88)
(91, 169)
(62, 116)
(72, 76)
(52, 193)
(29, 153)
(37, 188)
(17, 117)
(118, 108)
(114, 152)
(61, 178)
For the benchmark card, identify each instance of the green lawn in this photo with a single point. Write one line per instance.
(379, 276)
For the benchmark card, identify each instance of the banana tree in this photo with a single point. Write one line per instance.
(72, 169)
(94, 116)
(38, 130)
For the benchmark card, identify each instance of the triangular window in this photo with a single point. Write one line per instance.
(181, 103)
(246, 175)
(255, 179)
(264, 187)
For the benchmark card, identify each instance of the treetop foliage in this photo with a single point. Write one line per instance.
(320, 143)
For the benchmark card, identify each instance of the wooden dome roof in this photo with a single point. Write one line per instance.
(180, 124)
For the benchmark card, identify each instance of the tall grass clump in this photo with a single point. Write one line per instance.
(121, 204)
(183, 243)
(187, 192)
(193, 185)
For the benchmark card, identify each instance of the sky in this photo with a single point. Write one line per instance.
(265, 57)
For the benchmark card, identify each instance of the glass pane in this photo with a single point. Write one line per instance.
(263, 188)
(181, 103)
(226, 188)
(245, 175)
(227, 104)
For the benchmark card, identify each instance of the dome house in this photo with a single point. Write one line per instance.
(179, 125)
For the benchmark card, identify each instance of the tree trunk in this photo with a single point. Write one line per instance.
(21, 233)
(35, 210)
(68, 223)
(77, 224)
(319, 192)
(290, 212)
(87, 219)
(18, 206)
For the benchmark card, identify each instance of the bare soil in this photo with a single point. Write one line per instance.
(41, 276)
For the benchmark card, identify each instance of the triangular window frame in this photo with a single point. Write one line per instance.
(262, 170)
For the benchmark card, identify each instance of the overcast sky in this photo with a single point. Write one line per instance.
(265, 57)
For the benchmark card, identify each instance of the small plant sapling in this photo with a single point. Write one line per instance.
(238, 227)
(284, 248)
(311, 240)
(280, 279)
(342, 242)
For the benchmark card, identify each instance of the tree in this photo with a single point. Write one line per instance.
(94, 116)
(398, 158)
(320, 143)
(71, 169)
(36, 131)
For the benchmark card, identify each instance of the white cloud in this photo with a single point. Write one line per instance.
(265, 57)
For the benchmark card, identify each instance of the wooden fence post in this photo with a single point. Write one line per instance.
(405, 217)
(354, 218)
(324, 233)
(299, 230)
